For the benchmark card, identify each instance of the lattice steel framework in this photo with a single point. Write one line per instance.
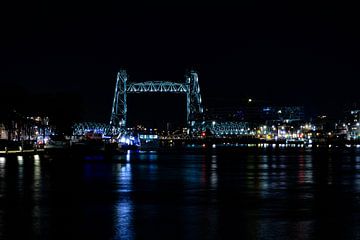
(193, 100)
(119, 107)
(191, 88)
(228, 128)
(218, 128)
(101, 128)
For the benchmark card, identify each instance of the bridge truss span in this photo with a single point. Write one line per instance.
(157, 86)
(191, 87)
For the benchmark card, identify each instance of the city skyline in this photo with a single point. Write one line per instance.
(152, 109)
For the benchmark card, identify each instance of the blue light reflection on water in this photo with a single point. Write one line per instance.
(188, 196)
(357, 175)
(124, 207)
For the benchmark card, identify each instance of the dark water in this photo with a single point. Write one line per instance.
(224, 195)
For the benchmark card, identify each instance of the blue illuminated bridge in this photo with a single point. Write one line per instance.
(194, 109)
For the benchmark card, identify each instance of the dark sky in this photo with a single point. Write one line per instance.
(291, 54)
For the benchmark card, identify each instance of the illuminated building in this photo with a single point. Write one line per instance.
(16, 127)
(3, 132)
(353, 123)
(285, 114)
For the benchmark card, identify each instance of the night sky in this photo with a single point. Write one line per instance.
(63, 58)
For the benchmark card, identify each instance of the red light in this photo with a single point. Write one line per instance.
(203, 134)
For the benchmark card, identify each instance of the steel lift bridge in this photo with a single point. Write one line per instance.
(194, 109)
(118, 118)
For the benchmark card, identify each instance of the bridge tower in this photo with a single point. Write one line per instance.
(194, 107)
(119, 107)
(191, 87)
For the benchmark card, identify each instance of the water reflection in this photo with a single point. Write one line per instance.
(264, 175)
(2, 190)
(37, 196)
(2, 167)
(357, 174)
(213, 173)
(308, 169)
(124, 228)
(124, 177)
(188, 196)
(124, 208)
(128, 152)
(20, 175)
(20, 160)
(277, 173)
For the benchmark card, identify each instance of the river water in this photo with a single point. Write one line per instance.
(227, 194)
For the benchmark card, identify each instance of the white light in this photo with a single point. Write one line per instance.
(249, 100)
(36, 157)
